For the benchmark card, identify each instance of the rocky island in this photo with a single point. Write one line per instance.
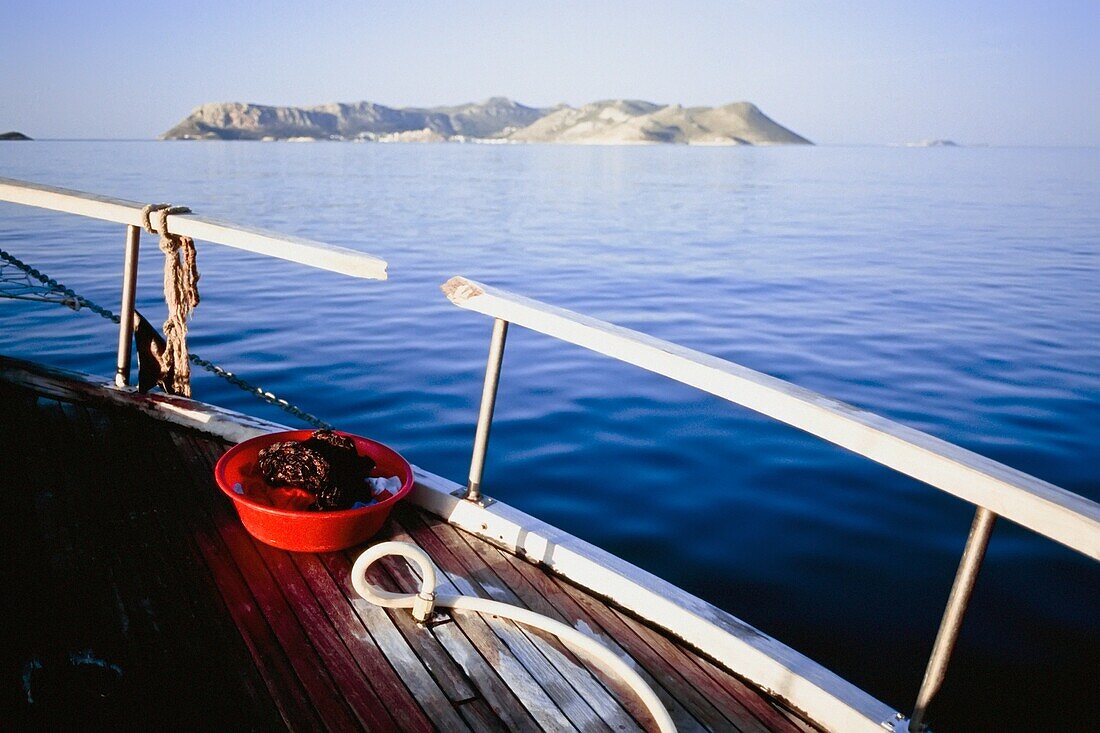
(496, 120)
(939, 143)
(13, 135)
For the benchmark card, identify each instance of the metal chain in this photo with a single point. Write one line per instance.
(19, 287)
(259, 392)
(81, 301)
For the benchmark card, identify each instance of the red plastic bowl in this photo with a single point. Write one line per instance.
(302, 531)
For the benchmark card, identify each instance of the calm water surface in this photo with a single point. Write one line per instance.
(955, 290)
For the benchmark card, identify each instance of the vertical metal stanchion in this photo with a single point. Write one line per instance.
(126, 313)
(969, 565)
(488, 402)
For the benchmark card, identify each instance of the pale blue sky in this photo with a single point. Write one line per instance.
(838, 72)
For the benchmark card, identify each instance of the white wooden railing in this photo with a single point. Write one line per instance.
(295, 249)
(994, 489)
(271, 244)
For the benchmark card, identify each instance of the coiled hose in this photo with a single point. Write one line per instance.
(424, 602)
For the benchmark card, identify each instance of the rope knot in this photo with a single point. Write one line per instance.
(163, 211)
(169, 245)
(181, 295)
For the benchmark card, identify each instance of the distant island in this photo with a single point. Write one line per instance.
(496, 120)
(13, 135)
(933, 144)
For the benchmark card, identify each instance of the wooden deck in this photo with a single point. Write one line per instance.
(133, 597)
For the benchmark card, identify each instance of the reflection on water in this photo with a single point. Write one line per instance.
(955, 290)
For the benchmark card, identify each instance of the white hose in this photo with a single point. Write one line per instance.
(423, 602)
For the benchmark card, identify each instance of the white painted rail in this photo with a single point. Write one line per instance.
(294, 249)
(1045, 508)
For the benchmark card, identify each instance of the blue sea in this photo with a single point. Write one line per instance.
(956, 290)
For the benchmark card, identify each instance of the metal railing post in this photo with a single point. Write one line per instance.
(969, 565)
(126, 312)
(485, 415)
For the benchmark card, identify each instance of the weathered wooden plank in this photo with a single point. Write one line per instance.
(297, 711)
(343, 669)
(773, 718)
(481, 717)
(493, 680)
(428, 639)
(230, 671)
(1041, 506)
(732, 706)
(574, 614)
(485, 658)
(528, 591)
(481, 570)
(409, 665)
(177, 480)
(403, 706)
(657, 666)
(325, 692)
(285, 247)
(549, 678)
(799, 722)
(305, 660)
(118, 572)
(450, 677)
(357, 691)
